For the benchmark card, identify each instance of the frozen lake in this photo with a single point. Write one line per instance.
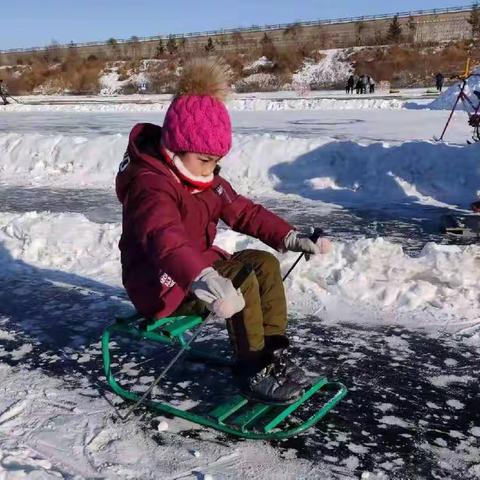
(399, 326)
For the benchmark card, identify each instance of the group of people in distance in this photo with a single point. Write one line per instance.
(360, 83)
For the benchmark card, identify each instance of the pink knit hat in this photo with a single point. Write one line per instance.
(197, 119)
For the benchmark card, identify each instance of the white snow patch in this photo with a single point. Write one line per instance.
(457, 405)
(447, 99)
(332, 69)
(259, 64)
(392, 420)
(446, 380)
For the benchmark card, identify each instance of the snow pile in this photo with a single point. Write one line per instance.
(63, 160)
(260, 65)
(369, 272)
(345, 173)
(257, 82)
(332, 69)
(110, 79)
(63, 241)
(448, 98)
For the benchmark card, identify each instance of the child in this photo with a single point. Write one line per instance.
(173, 197)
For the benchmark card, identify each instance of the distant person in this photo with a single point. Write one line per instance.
(3, 92)
(475, 206)
(363, 82)
(439, 78)
(371, 84)
(358, 85)
(350, 84)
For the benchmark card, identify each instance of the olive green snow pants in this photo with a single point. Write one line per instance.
(265, 311)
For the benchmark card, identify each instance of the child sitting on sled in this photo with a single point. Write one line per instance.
(173, 196)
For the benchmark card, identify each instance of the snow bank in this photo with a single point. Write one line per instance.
(239, 104)
(442, 283)
(448, 98)
(345, 173)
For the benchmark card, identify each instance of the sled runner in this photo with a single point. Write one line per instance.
(239, 415)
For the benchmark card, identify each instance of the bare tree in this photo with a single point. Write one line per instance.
(209, 47)
(114, 51)
(474, 21)
(160, 50)
(412, 28)
(359, 28)
(268, 48)
(134, 47)
(172, 46)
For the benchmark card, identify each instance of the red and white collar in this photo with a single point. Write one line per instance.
(181, 171)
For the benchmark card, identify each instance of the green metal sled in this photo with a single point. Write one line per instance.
(238, 416)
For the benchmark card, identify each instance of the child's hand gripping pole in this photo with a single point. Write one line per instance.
(317, 233)
(240, 277)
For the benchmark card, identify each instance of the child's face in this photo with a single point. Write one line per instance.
(200, 164)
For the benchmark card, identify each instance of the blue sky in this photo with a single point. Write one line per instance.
(25, 23)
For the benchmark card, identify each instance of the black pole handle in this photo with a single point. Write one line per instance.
(317, 233)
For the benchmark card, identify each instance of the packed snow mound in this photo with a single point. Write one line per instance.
(236, 104)
(374, 272)
(344, 173)
(332, 69)
(448, 98)
(112, 82)
(260, 65)
(258, 81)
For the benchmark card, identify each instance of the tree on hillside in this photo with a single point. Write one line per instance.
(53, 53)
(237, 39)
(209, 47)
(172, 46)
(160, 50)
(294, 30)
(268, 48)
(474, 20)
(113, 48)
(412, 28)
(359, 28)
(182, 43)
(394, 30)
(134, 49)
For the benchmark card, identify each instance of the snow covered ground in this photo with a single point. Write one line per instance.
(393, 311)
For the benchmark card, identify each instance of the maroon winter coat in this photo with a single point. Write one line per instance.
(168, 232)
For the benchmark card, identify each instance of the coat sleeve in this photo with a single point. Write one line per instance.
(158, 227)
(245, 216)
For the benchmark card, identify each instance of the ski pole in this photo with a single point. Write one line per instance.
(238, 280)
(14, 99)
(460, 95)
(317, 233)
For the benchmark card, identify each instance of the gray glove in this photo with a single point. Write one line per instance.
(218, 293)
(300, 242)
